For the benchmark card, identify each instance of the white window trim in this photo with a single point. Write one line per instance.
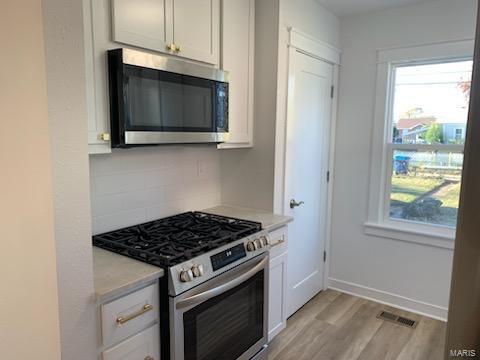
(379, 222)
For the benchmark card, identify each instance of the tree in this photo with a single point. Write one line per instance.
(414, 113)
(434, 134)
(465, 87)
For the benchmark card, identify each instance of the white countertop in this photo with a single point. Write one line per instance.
(269, 221)
(115, 274)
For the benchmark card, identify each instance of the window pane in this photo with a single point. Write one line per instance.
(426, 186)
(431, 103)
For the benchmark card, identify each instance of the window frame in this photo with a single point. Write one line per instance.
(379, 222)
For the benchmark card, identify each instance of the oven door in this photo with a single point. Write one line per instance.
(224, 318)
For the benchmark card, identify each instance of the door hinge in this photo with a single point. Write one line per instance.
(332, 91)
(328, 176)
(324, 256)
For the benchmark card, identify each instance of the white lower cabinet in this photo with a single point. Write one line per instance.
(277, 292)
(130, 325)
(143, 346)
(129, 314)
(277, 308)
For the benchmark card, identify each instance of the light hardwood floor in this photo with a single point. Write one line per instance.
(337, 326)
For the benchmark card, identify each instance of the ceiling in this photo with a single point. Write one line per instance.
(350, 7)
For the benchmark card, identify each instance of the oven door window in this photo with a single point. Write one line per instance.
(226, 326)
(161, 101)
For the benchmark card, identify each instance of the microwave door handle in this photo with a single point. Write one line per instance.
(204, 296)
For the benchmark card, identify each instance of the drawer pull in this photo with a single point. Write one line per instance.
(122, 320)
(149, 358)
(279, 242)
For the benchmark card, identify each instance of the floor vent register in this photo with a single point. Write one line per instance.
(400, 320)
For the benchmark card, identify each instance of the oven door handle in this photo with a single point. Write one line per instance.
(204, 296)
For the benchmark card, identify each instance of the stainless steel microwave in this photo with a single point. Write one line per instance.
(160, 100)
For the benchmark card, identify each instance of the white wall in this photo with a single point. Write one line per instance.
(419, 273)
(63, 29)
(311, 18)
(248, 175)
(29, 327)
(132, 186)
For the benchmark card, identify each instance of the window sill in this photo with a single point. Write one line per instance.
(445, 241)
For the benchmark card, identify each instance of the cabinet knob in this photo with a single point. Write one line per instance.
(171, 47)
(105, 136)
(177, 48)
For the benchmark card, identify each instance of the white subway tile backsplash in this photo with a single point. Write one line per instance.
(117, 220)
(132, 186)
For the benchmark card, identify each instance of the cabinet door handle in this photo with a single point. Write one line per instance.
(279, 242)
(122, 320)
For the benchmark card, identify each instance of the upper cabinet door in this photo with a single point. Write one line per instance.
(196, 29)
(238, 58)
(141, 23)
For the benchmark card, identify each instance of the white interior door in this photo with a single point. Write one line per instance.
(307, 150)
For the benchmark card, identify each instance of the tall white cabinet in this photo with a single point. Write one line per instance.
(238, 58)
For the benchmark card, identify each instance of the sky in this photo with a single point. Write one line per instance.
(434, 88)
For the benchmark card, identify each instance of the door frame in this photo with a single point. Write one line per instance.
(298, 41)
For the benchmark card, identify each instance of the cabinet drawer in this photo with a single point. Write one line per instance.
(143, 346)
(128, 315)
(278, 241)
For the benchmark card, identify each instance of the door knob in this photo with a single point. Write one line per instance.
(294, 204)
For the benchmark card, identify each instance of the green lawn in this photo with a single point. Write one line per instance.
(449, 195)
(408, 188)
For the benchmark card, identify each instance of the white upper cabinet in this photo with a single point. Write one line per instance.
(141, 23)
(186, 28)
(196, 29)
(237, 57)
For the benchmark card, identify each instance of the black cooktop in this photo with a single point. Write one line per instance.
(175, 239)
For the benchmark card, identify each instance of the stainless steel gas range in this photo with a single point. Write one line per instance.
(213, 303)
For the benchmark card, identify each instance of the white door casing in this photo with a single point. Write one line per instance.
(306, 164)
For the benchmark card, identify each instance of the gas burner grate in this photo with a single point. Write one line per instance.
(170, 241)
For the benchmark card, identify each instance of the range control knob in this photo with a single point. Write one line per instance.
(197, 270)
(264, 240)
(251, 246)
(258, 243)
(186, 275)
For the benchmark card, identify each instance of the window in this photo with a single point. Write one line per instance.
(429, 103)
(418, 142)
(459, 137)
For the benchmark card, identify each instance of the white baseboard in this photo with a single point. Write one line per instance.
(383, 297)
